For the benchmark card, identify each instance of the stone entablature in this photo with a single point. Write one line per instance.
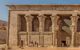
(45, 7)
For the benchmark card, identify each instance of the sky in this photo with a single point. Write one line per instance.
(4, 8)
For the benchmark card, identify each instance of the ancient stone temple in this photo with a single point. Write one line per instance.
(44, 26)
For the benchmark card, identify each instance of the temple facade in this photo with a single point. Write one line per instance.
(44, 26)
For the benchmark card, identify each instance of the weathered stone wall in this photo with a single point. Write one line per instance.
(42, 37)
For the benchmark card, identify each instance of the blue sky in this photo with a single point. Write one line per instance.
(4, 9)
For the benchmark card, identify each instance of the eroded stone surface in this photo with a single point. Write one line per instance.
(44, 26)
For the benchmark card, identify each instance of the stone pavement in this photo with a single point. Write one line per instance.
(48, 48)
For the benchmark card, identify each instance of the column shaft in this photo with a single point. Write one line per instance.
(41, 30)
(73, 28)
(29, 27)
(55, 29)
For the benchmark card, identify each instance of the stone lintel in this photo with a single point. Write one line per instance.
(44, 7)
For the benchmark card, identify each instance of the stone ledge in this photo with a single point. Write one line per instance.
(48, 48)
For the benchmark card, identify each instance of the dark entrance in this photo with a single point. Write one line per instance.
(63, 44)
(64, 23)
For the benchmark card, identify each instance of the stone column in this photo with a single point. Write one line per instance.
(55, 29)
(41, 23)
(41, 29)
(29, 23)
(29, 26)
(52, 19)
(73, 28)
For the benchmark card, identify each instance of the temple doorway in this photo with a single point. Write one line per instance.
(64, 33)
